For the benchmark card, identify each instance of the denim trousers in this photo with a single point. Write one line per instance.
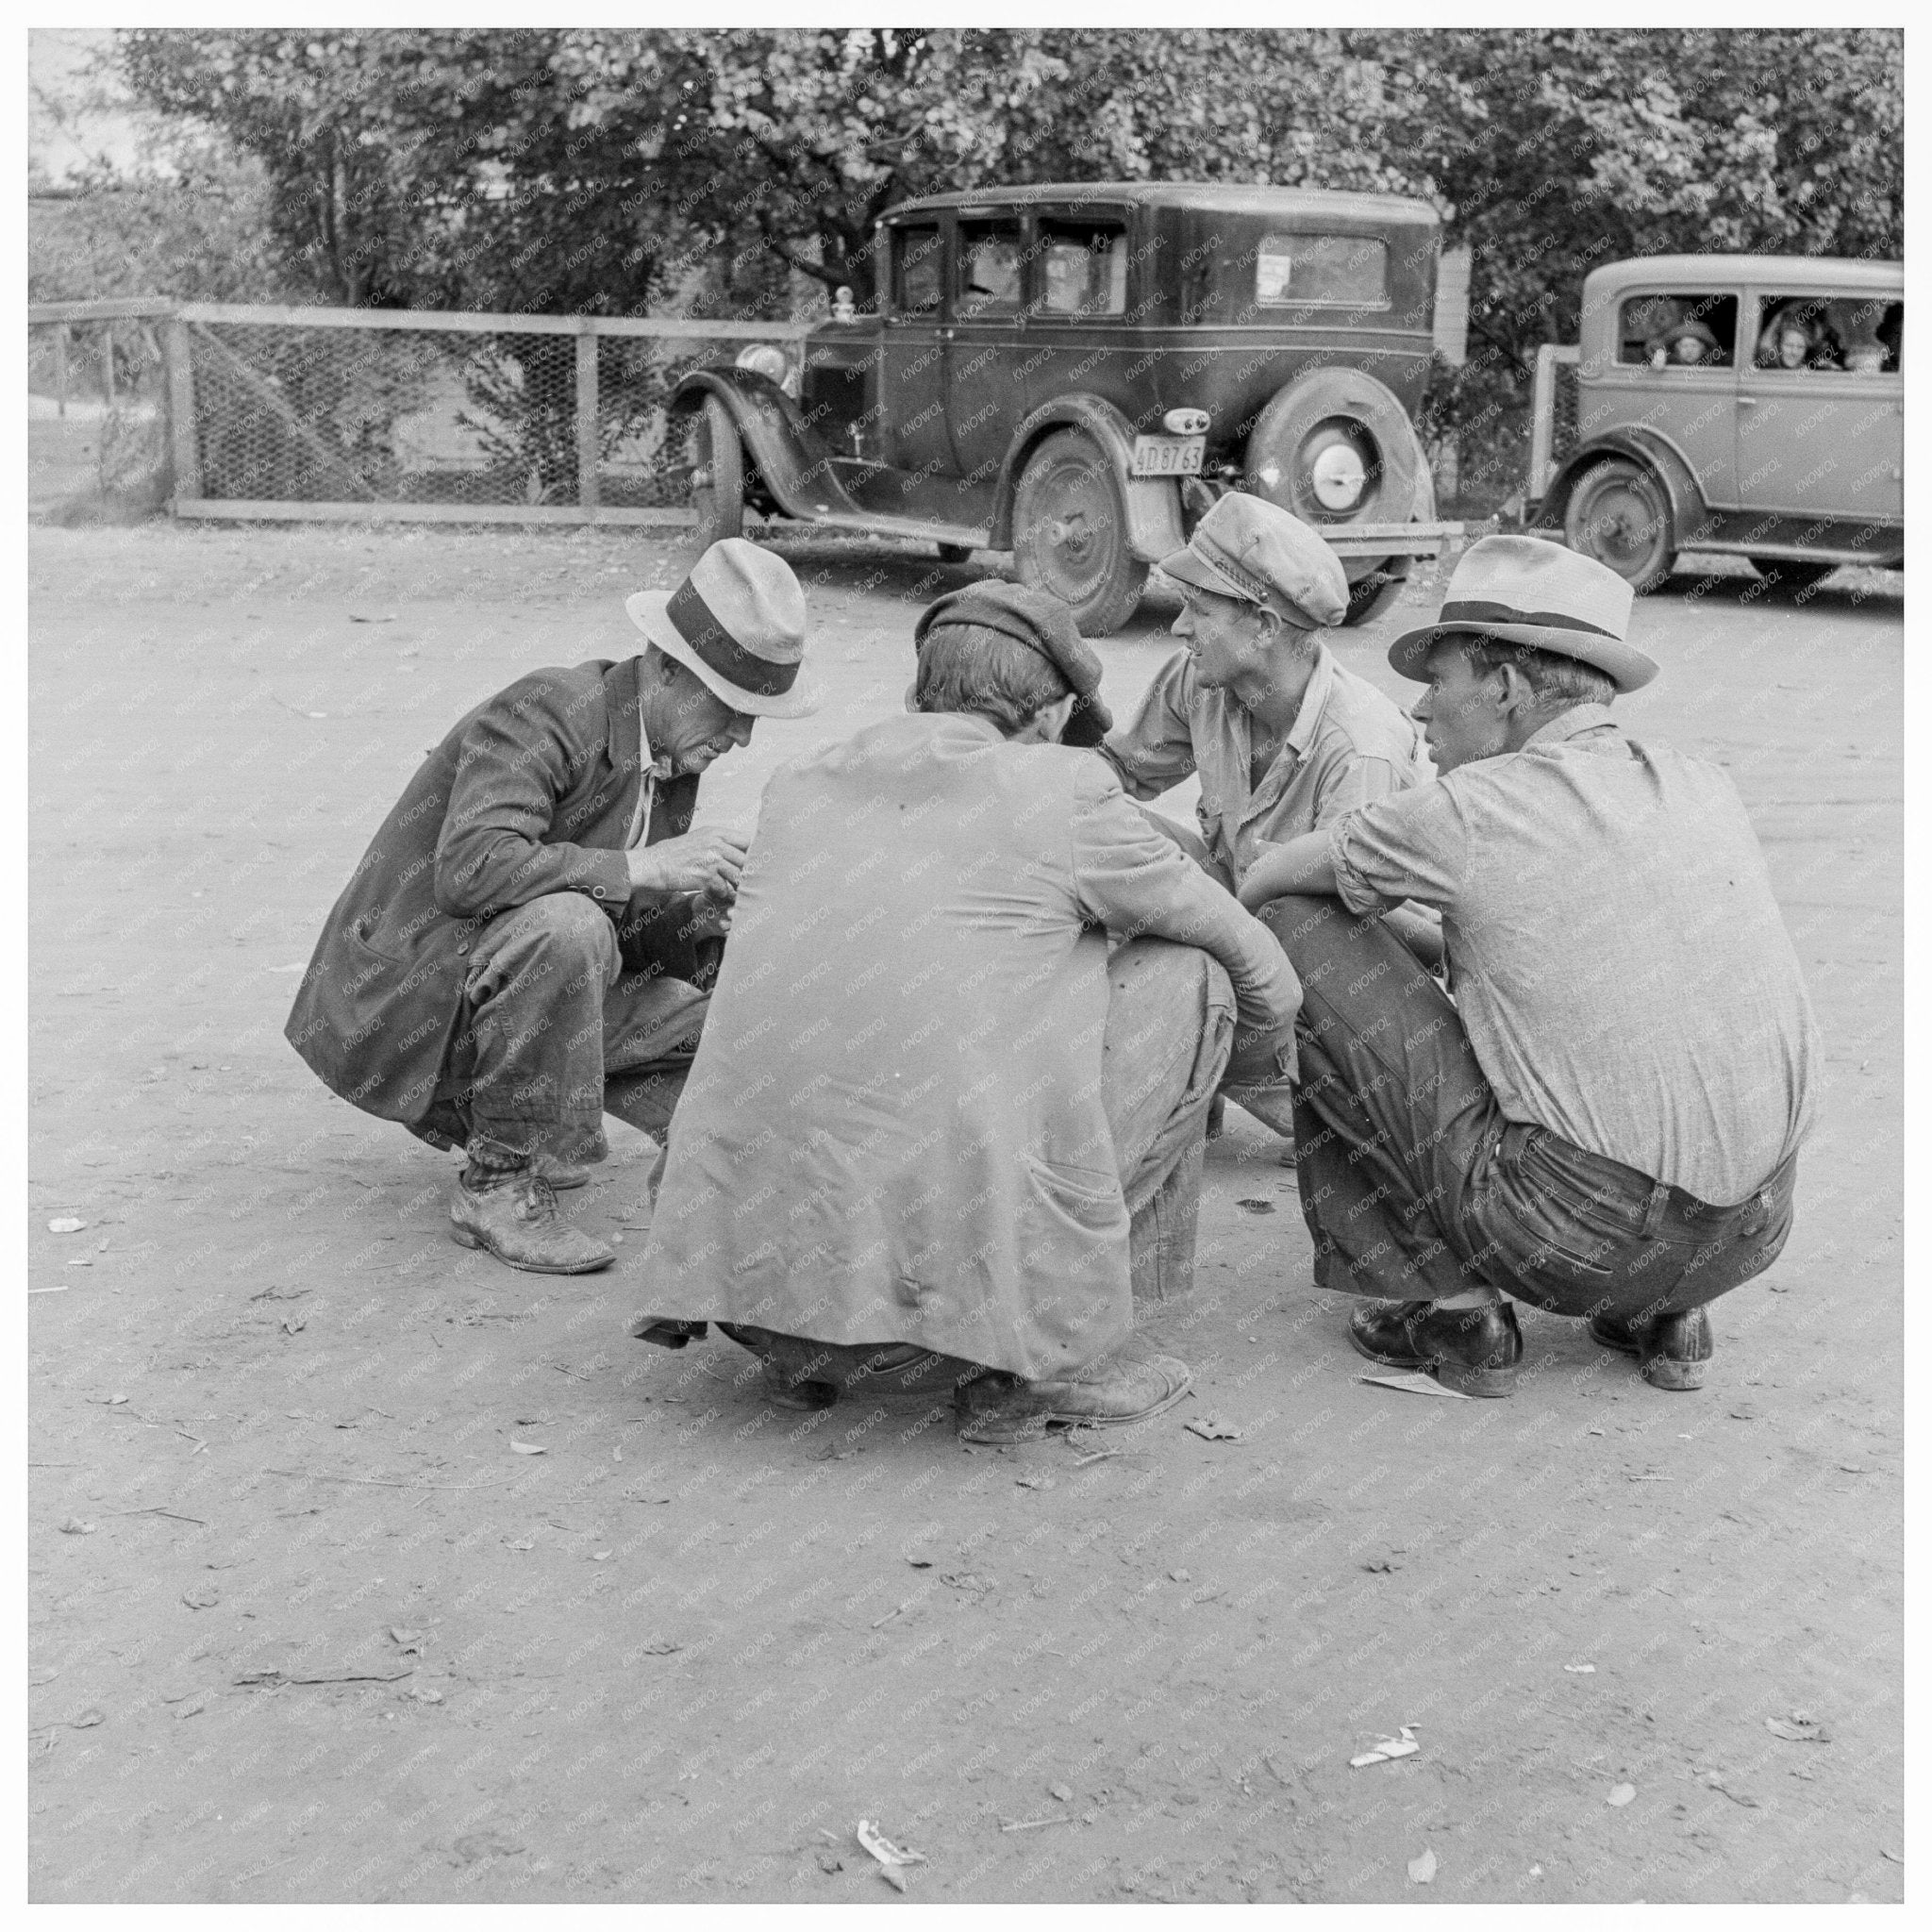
(1169, 1022)
(555, 1032)
(1414, 1186)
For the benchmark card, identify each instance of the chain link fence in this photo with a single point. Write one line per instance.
(347, 413)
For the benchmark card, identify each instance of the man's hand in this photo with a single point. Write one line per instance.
(709, 862)
(710, 917)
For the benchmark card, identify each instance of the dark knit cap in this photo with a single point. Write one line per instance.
(1043, 624)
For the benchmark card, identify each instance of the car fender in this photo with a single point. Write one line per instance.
(1153, 503)
(1690, 513)
(792, 460)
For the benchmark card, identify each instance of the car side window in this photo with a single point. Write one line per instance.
(1687, 329)
(1860, 334)
(1321, 268)
(1085, 268)
(990, 270)
(916, 290)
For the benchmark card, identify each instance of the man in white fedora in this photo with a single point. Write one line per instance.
(527, 944)
(1284, 738)
(1602, 1115)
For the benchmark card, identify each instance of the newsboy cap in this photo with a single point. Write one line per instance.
(1044, 625)
(1250, 548)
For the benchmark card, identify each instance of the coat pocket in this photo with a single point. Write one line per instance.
(1087, 1199)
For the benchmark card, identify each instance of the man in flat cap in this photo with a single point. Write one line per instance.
(1602, 1116)
(523, 945)
(1284, 740)
(936, 1137)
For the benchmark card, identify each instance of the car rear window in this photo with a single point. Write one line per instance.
(1864, 333)
(1679, 329)
(1084, 267)
(1321, 268)
(919, 263)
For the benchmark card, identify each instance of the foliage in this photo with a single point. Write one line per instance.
(616, 170)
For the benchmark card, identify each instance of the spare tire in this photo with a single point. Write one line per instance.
(1336, 448)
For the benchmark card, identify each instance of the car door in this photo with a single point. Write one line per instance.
(1821, 433)
(1077, 326)
(914, 433)
(986, 381)
(1655, 382)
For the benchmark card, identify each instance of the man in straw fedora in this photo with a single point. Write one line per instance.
(525, 945)
(939, 1139)
(1602, 1115)
(1285, 739)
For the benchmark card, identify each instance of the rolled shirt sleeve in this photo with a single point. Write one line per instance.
(1132, 880)
(1412, 845)
(1156, 752)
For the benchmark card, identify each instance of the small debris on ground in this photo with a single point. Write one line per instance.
(74, 1526)
(65, 1224)
(201, 1596)
(1798, 1728)
(1387, 1749)
(1212, 1430)
(529, 1448)
(1581, 1670)
(1415, 1384)
(1621, 1796)
(1256, 1206)
(1423, 1870)
(1063, 1792)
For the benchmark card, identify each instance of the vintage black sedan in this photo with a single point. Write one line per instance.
(1075, 373)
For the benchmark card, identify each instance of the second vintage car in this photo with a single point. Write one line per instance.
(1075, 373)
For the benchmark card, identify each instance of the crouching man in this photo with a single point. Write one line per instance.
(524, 944)
(1602, 1115)
(937, 1131)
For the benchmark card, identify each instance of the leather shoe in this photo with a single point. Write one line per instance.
(1128, 1386)
(514, 1217)
(1671, 1350)
(1478, 1350)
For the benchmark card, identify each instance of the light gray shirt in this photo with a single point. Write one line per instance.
(1615, 952)
(1349, 743)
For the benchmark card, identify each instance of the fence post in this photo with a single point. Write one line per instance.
(108, 361)
(187, 459)
(61, 367)
(587, 412)
(1542, 420)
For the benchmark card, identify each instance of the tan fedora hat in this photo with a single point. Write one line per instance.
(738, 623)
(1528, 591)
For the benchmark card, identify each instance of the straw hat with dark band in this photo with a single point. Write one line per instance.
(737, 622)
(1528, 590)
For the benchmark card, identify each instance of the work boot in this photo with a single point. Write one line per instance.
(562, 1174)
(1476, 1351)
(514, 1214)
(1128, 1386)
(1671, 1350)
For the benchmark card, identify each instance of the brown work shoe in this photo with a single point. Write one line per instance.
(1128, 1386)
(515, 1218)
(1475, 1351)
(1671, 1350)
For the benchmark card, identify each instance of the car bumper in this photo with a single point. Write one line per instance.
(1392, 540)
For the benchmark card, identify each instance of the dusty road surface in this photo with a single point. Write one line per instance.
(306, 1625)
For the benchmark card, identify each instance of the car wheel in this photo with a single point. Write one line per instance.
(1369, 596)
(1070, 533)
(1618, 514)
(1800, 574)
(717, 479)
(954, 553)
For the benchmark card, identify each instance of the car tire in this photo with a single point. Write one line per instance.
(718, 458)
(1070, 533)
(1800, 574)
(1619, 515)
(1369, 596)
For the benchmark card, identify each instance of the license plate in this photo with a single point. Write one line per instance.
(1169, 456)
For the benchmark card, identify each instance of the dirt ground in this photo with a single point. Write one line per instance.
(305, 1624)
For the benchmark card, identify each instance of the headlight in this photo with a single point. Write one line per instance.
(767, 360)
